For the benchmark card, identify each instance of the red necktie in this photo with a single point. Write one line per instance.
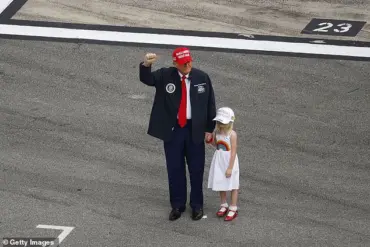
(182, 110)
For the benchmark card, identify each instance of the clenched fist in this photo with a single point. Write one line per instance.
(149, 59)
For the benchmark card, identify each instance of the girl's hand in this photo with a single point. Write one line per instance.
(228, 172)
(210, 140)
(208, 137)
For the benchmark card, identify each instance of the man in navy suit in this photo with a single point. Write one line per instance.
(182, 116)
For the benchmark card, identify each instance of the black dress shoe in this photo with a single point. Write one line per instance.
(197, 214)
(175, 214)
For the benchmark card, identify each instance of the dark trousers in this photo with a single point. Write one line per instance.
(182, 147)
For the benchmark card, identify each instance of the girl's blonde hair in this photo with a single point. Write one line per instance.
(224, 128)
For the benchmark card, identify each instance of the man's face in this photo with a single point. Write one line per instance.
(184, 68)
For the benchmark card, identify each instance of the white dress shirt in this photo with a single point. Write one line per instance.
(188, 103)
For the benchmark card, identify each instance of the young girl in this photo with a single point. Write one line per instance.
(224, 170)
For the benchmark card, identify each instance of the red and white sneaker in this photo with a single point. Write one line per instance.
(231, 214)
(222, 211)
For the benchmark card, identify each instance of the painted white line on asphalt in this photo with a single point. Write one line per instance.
(66, 230)
(4, 4)
(165, 39)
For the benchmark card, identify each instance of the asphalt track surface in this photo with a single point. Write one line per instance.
(74, 149)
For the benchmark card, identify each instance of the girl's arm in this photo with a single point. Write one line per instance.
(234, 147)
(213, 142)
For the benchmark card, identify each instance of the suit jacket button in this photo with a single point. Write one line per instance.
(173, 128)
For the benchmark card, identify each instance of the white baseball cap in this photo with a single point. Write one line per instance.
(225, 115)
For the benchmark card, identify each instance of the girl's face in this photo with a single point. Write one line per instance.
(223, 127)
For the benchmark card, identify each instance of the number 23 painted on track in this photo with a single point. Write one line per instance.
(344, 27)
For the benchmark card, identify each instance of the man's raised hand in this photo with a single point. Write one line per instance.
(149, 59)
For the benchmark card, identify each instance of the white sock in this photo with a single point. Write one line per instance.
(224, 205)
(233, 208)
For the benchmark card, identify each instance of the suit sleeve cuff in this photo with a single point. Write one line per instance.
(142, 65)
(211, 127)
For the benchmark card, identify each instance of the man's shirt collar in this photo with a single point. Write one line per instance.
(186, 76)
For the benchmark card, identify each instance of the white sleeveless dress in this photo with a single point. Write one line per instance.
(217, 180)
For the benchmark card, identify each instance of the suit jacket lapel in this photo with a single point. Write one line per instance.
(176, 97)
(192, 79)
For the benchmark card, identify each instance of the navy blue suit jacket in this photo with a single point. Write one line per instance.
(167, 83)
